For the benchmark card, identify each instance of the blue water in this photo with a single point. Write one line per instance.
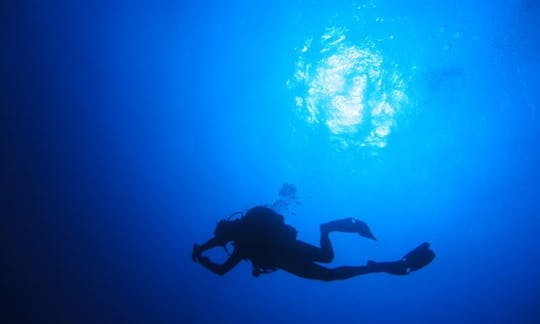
(130, 128)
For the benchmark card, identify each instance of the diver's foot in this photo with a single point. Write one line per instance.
(395, 267)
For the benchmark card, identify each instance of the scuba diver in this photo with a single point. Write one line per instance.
(262, 237)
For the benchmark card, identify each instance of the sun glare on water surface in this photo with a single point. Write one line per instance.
(348, 88)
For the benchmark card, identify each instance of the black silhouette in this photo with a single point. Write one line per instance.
(262, 237)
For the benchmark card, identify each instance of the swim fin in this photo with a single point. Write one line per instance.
(418, 258)
(349, 225)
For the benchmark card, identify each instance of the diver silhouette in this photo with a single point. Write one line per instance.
(262, 237)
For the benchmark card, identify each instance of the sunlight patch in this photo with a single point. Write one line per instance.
(347, 88)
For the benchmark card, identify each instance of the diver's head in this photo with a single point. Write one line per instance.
(225, 230)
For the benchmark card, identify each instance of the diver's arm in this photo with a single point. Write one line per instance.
(220, 269)
(199, 249)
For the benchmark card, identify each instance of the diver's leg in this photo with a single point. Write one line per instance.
(296, 264)
(310, 270)
(311, 253)
(327, 251)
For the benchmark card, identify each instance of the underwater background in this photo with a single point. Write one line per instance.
(129, 128)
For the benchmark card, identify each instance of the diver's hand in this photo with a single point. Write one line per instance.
(196, 253)
(204, 261)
